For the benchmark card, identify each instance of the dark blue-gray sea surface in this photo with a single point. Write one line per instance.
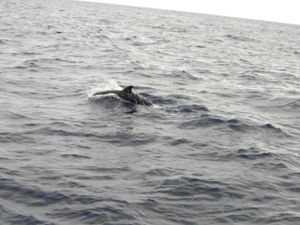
(219, 146)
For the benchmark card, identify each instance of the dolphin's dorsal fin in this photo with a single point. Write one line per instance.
(128, 89)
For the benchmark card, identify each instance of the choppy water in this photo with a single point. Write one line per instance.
(220, 145)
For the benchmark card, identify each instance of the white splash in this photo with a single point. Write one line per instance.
(104, 86)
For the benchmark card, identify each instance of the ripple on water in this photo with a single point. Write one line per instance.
(96, 215)
(30, 195)
(251, 153)
(19, 138)
(75, 156)
(207, 120)
(187, 109)
(9, 216)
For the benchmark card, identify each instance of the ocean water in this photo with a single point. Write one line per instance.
(219, 146)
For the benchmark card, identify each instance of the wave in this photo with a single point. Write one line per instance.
(180, 141)
(297, 52)
(186, 187)
(10, 137)
(183, 75)
(159, 172)
(19, 116)
(13, 217)
(187, 109)
(75, 156)
(96, 215)
(4, 41)
(206, 120)
(30, 195)
(247, 154)
(99, 169)
(118, 138)
(293, 105)
(37, 196)
(161, 100)
(240, 38)
(42, 63)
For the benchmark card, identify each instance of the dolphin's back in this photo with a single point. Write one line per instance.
(126, 94)
(107, 92)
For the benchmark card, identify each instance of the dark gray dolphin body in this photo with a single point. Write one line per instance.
(127, 95)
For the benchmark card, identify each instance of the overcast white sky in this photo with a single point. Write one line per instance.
(285, 11)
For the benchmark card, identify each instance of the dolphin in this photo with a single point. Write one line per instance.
(127, 95)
